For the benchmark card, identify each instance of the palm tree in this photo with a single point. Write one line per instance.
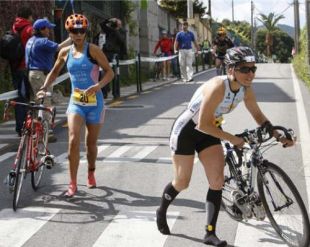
(270, 23)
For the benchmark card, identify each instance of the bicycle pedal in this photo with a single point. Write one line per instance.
(49, 161)
(10, 180)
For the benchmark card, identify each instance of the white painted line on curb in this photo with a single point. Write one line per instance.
(304, 132)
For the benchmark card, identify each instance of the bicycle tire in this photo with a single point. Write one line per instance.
(283, 220)
(20, 170)
(36, 175)
(227, 203)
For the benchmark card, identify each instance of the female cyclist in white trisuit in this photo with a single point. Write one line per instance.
(198, 129)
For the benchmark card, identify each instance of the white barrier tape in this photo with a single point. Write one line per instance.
(127, 62)
(157, 59)
(9, 95)
(13, 94)
(61, 78)
(205, 51)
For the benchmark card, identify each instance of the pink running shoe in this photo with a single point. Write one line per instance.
(71, 190)
(91, 181)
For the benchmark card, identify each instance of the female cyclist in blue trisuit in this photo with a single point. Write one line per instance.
(86, 104)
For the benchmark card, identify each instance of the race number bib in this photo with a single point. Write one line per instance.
(80, 98)
(218, 121)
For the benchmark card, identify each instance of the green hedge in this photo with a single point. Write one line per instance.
(300, 61)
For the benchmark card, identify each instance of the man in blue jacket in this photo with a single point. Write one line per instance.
(40, 55)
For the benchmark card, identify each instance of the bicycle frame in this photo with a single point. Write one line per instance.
(32, 155)
(32, 127)
(264, 189)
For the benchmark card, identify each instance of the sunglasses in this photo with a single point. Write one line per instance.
(78, 30)
(246, 70)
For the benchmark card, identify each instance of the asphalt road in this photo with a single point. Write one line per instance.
(134, 166)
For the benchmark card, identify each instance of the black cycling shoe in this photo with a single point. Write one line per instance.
(161, 222)
(212, 239)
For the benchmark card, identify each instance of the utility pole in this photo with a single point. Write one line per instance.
(297, 26)
(189, 9)
(210, 20)
(232, 11)
(307, 2)
(252, 26)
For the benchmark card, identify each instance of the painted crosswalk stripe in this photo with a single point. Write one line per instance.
(134, 229)
(259, 232)
(17, 228)
(8, 136)
(7, 156)
(102, 148)
(119, 152)
(144, 152)
(11, 122)
(62, 158)
(3, 145)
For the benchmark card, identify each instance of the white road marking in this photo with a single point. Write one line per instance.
(11, 122)
(259, 232)
(134, 229)
(3, 145)
(119, 152)
(9, 136)
(145, 151)
(304, 132)
(101, 148)
(18, 227)
(7, 155)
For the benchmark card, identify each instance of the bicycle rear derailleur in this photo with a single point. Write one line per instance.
(249, 205)
(48, 161)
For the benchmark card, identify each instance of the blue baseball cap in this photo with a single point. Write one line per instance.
(43, 23)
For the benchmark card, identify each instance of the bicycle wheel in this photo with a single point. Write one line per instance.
(21, 170)
(42, 142)
(284, 206)
(230, 187)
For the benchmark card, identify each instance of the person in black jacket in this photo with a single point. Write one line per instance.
(114, 43)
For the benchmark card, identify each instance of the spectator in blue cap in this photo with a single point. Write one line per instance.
(40, 55)
(43, 23)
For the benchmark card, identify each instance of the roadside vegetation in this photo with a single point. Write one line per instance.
(300, 61)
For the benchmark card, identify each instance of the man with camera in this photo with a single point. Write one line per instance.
(114, 43)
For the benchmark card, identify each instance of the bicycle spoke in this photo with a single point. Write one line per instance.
(20, 170)
(284, 206)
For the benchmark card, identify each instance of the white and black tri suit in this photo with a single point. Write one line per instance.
(185, 139)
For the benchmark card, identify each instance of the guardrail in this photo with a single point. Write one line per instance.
(116, 63)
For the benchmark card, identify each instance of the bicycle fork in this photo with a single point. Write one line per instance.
(11, 177)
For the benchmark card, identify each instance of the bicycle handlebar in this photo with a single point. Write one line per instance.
(31, 106)
(263, 134)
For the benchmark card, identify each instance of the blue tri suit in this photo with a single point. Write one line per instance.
(83, 74)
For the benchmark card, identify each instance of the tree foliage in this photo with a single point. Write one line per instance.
(179, 8)
(270, 23)
(300, 61)
(281, 47)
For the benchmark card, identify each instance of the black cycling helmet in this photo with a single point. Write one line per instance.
(237, 55)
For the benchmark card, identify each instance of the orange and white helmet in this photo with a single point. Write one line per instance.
(76, 21)
(221, 31)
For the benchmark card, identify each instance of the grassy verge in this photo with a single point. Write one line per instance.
(300, 61)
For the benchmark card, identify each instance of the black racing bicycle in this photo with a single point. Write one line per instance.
(256, 188)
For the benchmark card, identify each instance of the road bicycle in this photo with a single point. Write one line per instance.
(32, 155)
(158, 68)
(222, 69)
(256, 188)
